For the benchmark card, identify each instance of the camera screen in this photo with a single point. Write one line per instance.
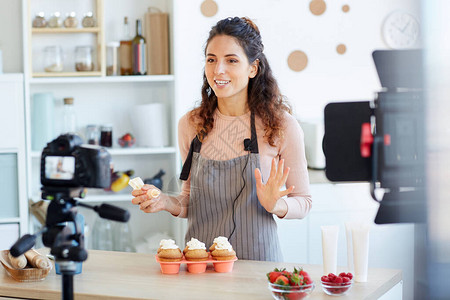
(60, 167)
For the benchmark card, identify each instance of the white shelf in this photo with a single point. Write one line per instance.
(9, 220)
(128, 151)
(103, 79)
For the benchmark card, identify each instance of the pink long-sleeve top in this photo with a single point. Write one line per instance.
(226, 141)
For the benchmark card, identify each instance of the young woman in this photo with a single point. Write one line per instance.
(240, 148)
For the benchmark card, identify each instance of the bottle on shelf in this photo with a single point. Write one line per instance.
(69, 118)
(139, 51)
(125, 50)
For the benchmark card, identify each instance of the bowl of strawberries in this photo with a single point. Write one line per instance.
(290, 285)
(337, 285)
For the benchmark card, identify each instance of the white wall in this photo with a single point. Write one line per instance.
(288, 25)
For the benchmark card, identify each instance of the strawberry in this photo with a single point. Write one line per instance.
(295, 280)
(282, 280)
(303, 273)
(325, 278)
(295, 296)
(272, 276)
(307, 280)
(349, 275)
(338, 280)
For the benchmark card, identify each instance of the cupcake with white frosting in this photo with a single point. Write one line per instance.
(195, 250)
(217, 240)
(222, 249)
(169, 251)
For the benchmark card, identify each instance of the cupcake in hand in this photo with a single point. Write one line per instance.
(223, 250)
(195, 250)
(169, 251)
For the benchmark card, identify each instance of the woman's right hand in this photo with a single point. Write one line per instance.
(150, 199)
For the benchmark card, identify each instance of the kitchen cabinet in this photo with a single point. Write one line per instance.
(101, 99)
(13, 213)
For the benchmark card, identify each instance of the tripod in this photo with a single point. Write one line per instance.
(67, 247)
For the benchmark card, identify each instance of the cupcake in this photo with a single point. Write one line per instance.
(169, 251)
(216, 240)
(195, 250)
(222, 249)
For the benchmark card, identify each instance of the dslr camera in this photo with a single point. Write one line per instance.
(67, 162)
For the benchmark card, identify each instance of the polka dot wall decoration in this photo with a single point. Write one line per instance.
(209, 8)
(317, 7)
(341, 49)
(345, 8)
(297, 60)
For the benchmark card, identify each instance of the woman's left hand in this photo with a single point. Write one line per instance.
(269, 192)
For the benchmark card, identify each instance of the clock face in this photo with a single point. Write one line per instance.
(401, 30)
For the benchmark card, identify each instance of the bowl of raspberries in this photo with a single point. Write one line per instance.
(337, 285)
(290, 285)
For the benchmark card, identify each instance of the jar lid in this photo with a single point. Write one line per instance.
(68, 100)
(107, 127)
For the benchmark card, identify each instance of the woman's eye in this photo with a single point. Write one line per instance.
(210, 60)
(233, 61)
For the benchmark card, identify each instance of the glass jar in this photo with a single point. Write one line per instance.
(71, 20)
(88, 20)
(92, 134)
(55, 20)
(112, 59)
(39, 21)
(106, 136)
(83, 59)
(53, 59)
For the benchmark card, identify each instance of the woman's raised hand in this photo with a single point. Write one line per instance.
(269, 192)
(149, 198)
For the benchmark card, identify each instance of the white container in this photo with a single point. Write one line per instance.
(150, 125)
(360, 237)
(329, 248)
(314, 132)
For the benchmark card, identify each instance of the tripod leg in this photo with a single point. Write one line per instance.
(67, 286)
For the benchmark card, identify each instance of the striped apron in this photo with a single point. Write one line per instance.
(223, 202)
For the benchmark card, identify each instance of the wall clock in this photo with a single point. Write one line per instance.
(400, 30)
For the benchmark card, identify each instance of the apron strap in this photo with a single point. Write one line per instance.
(254, 139)
(196, 145)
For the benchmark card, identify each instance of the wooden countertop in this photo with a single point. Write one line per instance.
(118, 275)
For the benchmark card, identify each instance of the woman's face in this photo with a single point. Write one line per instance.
(227, 68)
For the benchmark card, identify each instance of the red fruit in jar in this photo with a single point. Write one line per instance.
(295, 296)
(349, 275)
(338, 280)
(345, 279)
(282, 280)
(331, 276)
(272, 276)
(295, 280)
(303, 273)
(324, 278)
(307, 280)
(342, 274)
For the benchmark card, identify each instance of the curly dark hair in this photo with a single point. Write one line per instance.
(264, 97)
